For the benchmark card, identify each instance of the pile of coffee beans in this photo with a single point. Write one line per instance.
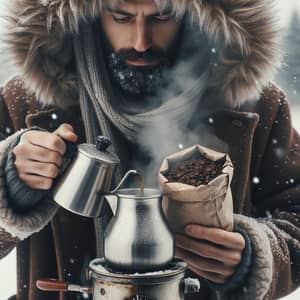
(195, 171)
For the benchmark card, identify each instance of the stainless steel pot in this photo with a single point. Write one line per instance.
(168, 284)
(87, 180)
(138, 237)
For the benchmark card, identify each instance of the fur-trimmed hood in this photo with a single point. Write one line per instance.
(39, 37)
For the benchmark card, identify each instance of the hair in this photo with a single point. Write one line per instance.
(178, 8)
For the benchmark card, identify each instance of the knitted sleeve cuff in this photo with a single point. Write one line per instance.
(258, 280)
(243, 268)
(21, 225)
(22, 197)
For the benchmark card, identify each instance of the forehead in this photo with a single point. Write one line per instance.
(138, 4)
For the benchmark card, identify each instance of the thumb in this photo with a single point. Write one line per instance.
(66, 132)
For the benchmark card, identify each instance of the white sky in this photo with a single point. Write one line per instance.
(286, 7)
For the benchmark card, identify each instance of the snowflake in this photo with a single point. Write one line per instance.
(255, 180)
(54, 116)
(8, 130)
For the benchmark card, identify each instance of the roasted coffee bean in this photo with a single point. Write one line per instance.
(195, 171)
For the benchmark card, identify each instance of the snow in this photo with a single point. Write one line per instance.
(255, 180)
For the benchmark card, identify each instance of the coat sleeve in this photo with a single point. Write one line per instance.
(16, 226)
(274, 228)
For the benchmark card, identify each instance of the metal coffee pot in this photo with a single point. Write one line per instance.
(84, 185)
(138, 236)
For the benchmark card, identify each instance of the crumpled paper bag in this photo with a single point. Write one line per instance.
(210, 205)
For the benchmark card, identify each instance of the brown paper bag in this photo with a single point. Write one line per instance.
(207, 204)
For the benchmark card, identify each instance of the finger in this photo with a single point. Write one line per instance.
(36, 182)
(29, 152)
(208, 250)
(46, 140)
(209, 276)
(233, 240)
(49, 170)
(204, 264)
(66, 132)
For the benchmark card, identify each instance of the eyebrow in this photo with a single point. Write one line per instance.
(126, 13)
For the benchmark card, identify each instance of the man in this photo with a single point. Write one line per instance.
(131, 70)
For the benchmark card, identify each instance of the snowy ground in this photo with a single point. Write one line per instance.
(8, 265)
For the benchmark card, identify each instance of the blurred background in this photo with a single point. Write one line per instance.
(288, 78)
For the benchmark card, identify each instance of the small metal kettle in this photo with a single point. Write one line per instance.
(83, 186)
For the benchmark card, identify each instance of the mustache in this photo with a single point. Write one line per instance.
(149, 55)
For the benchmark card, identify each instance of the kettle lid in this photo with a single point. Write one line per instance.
(99, 151)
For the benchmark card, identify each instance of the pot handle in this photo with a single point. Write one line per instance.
(55, 285)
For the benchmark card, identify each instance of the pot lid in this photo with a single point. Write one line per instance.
(99, 151)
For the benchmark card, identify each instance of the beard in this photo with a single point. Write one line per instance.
(138, 80)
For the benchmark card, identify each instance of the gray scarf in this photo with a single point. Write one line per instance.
(102, 108)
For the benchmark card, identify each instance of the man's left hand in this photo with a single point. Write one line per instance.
(211, 253)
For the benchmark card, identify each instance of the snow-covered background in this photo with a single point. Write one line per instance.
(288, 78)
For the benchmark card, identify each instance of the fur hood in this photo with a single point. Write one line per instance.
(40, 32)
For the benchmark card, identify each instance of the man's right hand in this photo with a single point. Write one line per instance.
(39, 155)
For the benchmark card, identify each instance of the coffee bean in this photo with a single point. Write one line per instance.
(195, 171)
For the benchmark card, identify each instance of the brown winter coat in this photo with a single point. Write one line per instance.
(259, 135)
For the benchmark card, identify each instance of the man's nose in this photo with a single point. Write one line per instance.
(143, 40)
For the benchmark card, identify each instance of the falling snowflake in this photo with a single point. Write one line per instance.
(54, 116)
(255, 180)
(274, 141)
(292, 180)
(213, 50)
(180, 146)
(8, 130)
(85, 296)
(210, 120)
(279, 152)
(72, 260)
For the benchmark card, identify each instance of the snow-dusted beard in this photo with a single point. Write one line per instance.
(135, 81)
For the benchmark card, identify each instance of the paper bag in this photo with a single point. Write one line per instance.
(206, 204)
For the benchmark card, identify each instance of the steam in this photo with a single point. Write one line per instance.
(165, 134)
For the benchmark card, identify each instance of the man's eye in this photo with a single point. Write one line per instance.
(122, 19)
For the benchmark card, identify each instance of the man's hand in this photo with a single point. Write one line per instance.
(39, 155)
(211, 253)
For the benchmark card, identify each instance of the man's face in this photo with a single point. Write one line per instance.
(141, 37)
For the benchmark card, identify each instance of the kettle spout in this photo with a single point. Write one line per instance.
(124, 178)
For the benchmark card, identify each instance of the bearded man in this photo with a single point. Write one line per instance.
(132, 70)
